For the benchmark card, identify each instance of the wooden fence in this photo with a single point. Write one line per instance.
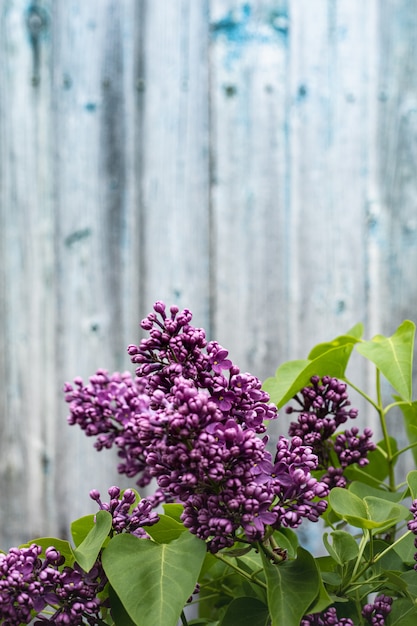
(252, 161)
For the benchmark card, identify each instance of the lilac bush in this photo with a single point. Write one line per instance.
(218, 526)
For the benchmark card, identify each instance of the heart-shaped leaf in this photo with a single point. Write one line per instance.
(166, 529)
(153, 581)
(285, 375)
(293, 586)
(393, 356)
(342, 340)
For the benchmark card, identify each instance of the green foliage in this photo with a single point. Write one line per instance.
(369, 512)
(293, 586)
(153, 581)
(294, 375)
(246, 612)
(393, 356)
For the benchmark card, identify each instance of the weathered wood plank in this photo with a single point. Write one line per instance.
(393, 212)
(97, 227)
(175, 144)
(250, 181)
(27, 348)
(333, 56)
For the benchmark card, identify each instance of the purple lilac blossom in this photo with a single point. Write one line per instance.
(412, 526)
(376, 613)
(105, 409)
(128, 516)
(323, 406)
(327, 618)
(191, 420)
(29, 585)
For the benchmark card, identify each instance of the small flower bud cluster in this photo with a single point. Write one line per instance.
(323, 407)
(191, 420)
(30, 584)
(412, 525)
(376, 613)
(327, 618)
(126, 516)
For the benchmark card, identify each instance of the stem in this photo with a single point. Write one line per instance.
(409, 447)
(356, 575)
(390, 547)
(362, 546)
(183, 619)
(383, 422)
(362, 393)
(272, 556)
(239, 570)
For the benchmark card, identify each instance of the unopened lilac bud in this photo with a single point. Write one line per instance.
(114, 492)
(95, 495)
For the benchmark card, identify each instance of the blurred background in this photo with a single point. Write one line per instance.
(252, 161)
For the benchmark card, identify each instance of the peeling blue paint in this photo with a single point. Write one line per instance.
(240, 28)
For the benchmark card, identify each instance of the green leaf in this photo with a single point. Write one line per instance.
(362, 490)
(63, 546)
(403, 613)
(412, 483)
(284, 377)
(322, 601)
(343, 547)
(87, 552)
(245, 612)
(118, 612)
(409, 412)
(293, 586)
(292, 376)
(286, 538)
(370, 513)
(153, 581)
(406, 549)
(384, 513)
(173, 510)
(350, 508)
(81, 527)
(411, 580)
(342, 340)
(165, 530)
(393, 356)
(356, 331)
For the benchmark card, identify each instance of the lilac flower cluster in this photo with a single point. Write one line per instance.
(104, 409)
(191, 420)
(30, 584)
(327, 618)
(412, 525)
(323, 407)
(376, 613)
(127, 517)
